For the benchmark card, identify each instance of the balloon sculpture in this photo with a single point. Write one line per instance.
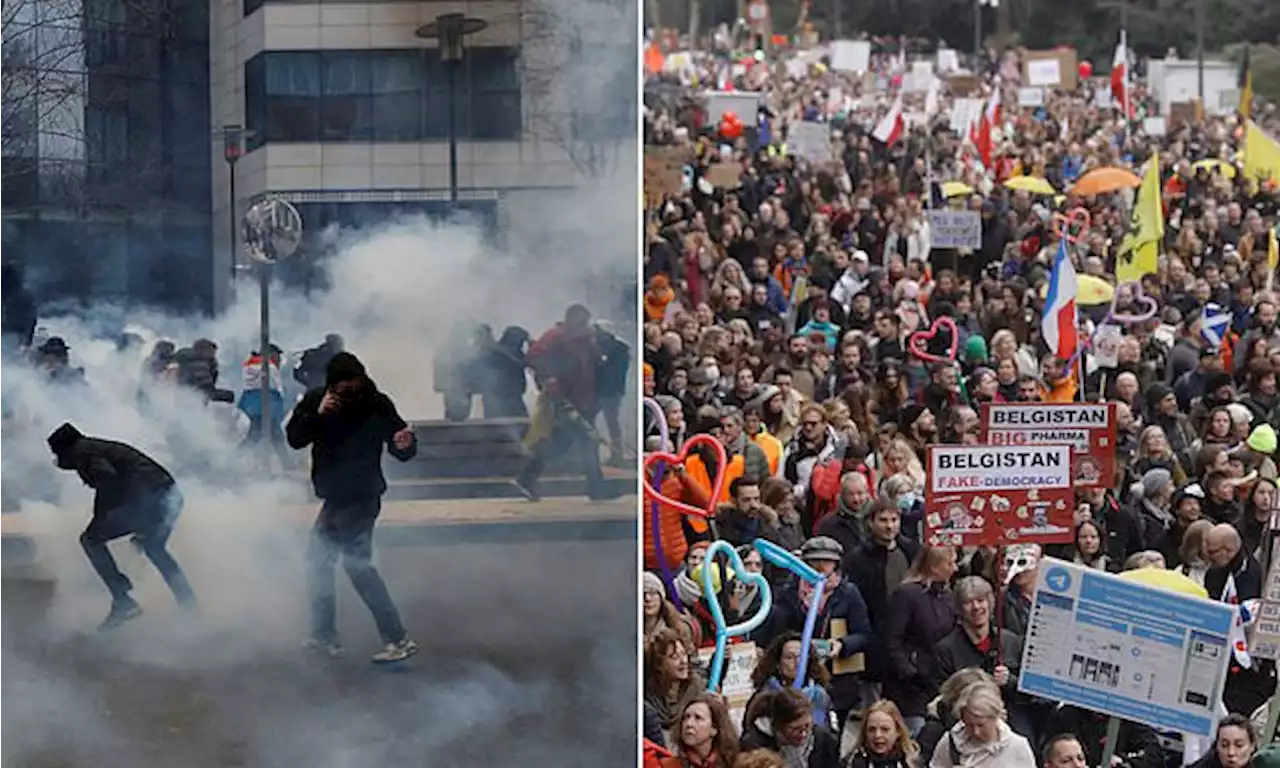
(730, 126)
(655, 517)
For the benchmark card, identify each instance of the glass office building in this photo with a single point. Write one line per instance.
(106, 151)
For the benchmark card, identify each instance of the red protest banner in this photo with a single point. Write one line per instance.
(1089, 428)
(986, 495)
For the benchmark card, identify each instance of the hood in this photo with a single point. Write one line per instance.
(62, 442)
(344, 366)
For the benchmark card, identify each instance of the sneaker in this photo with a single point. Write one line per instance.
(527, 491)
(396, 652)
(328, 648)
(120, 613)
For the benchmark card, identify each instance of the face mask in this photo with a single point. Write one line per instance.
(906, 501)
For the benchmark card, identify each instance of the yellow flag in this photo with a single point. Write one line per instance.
(1140, 250)
(1261, 154)
(1273, 250)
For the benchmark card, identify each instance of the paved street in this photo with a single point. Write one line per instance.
(528, 651)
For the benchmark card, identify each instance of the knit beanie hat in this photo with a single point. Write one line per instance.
(1154, 480)
(1262, 439)
(650, 582)
(975, 349)
(1157, 392)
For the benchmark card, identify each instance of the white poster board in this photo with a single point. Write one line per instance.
(947, 61)
(797, 69)
(1265, 642)
(1102, 98)
(1043, 73)
(744, 105)
(922, 69)
(1031, 97)
(812, 141)
(1126, 649)
(739, 663)
(964, 114)
(955, 229)
(1154, 126)
(850, 55)
(1106, 345)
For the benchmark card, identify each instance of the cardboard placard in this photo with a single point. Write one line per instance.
(1050, 69)
(955, 229)
(1089, 428)
(811, 141)
(851, 55)
(1106, 345)
(725, 175)
(1154, 126)
(988, 495)
(852, 665)
(962, 85)
(663, 173)
(736, 687)
(947, 61)
(1265, 641)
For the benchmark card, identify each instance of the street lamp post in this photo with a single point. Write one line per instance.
(232, 151)
(449, 30)
(272, 232)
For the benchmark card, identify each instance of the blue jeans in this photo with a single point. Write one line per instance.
(346, 531)
(150, 519)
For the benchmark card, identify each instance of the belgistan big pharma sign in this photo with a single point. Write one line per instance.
(1089, 428)
(989, 495)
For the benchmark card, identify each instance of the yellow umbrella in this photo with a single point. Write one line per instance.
(1226, 169)
(1033, 184)
(1091, 291)
(1168, 580)
(955, 189)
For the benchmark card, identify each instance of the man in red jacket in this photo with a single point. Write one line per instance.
(564, 362)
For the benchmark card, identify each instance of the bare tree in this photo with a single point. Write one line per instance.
(579, 75)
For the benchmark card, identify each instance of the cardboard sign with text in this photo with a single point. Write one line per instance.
(1050, 69)
(736, 687)
(987, 495)
(663, 173)
(1089, 428)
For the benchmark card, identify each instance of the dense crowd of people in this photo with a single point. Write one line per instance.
(779, 301)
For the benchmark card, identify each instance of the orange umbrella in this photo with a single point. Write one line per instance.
(1104, 180)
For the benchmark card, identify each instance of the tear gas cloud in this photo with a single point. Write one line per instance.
(396, 293)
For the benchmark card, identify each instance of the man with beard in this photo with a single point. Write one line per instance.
(347, 423)
(816, 443)
(760, 315)
(888, 345)
(797, 362)
(565, 361)
(919, 427)
(746, 519)
(1163, 412)
(943, 390)
(1060, 384)
(849, 525)
(133, 495)
(1218, 392)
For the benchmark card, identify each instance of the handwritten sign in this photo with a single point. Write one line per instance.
(1031, 97)
(851, 55)
(955, 229)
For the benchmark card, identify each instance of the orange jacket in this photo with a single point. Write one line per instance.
(674, 544)
(698, 472)
(1063, 391)
(772, 448)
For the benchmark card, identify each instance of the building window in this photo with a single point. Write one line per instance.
(396, 95)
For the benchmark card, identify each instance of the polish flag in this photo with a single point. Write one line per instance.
(890, 128)
(1119, 78)
(981, 135)
(1058, 325)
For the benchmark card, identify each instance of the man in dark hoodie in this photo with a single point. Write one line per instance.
(347, 422)
(133, 495)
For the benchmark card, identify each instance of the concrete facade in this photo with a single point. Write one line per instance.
(508, 172)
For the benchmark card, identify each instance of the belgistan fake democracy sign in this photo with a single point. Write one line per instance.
(1089, 428)
(991, 495)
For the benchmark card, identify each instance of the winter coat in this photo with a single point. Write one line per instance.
(569, 356)
(958, 750)
(825, 751)
(862, 758)
(119, 474)
(615, 361)
(920, 615)
(866, 569)
(346, 444)
(1138, 744)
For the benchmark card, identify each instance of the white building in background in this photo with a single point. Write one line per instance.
(349, 110)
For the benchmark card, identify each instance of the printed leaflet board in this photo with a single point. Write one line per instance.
(988, 495)
(1126, 649)
(1265, 642)
(1089, 428)
(955, 229)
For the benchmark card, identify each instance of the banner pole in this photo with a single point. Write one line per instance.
(1113, 737)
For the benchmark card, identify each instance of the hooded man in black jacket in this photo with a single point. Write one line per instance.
(134, 495)
(347, 422)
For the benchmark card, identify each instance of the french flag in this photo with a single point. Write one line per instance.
(1058, 325)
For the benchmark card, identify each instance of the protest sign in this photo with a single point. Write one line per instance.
(962, 84)
(965, 113)
(812, 141)
(1265, 642)
(947, 61)
(1154, 126)
(1089, 428)
(736, 687)
(1050, 69)
(744, 105)
(663, 173)
(955, 229)
(988, 495)
(1106, 345)
(725, 175)
(1031, 97)
(1126, 649)
(851, 55)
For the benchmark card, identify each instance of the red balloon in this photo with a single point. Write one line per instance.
(730, 129)
(1086, 69)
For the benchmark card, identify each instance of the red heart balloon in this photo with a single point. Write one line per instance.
(1071, 226)
(717, 485)
(918, 342)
